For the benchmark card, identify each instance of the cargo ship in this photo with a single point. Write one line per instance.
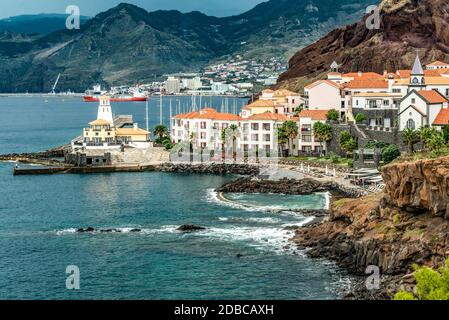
(115, 96)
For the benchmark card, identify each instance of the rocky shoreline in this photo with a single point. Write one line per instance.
(406, 225)
(289, 187)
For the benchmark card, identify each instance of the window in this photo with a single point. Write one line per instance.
(255, 126)
(266, 127)
(413, 100)
(386, 103)
(203, 125)
(307, 138)
(411, 124)
(396, 90)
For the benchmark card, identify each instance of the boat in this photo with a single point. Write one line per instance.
(115, 95)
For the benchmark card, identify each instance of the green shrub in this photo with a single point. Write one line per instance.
(390, 153)
(360, 117)
(430, 284)
(333, 115)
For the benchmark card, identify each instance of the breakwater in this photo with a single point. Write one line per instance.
(214, 168)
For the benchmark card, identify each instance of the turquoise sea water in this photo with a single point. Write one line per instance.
(243, 254)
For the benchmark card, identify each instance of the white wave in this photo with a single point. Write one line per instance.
(267, 239)
(267, 220)
(213, 197)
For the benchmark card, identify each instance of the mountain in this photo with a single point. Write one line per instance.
(36, 24)
(407, 26)
(127, 44)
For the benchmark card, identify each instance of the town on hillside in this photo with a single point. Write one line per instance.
(357, 113)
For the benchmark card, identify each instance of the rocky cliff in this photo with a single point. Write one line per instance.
(392, 231)
(420, 186)
(405, 26)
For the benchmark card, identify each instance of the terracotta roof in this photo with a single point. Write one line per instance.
(316, 83)
(437, 80)
(442, 118)
(363, 75)
(268, 91)
(284, 93)
(314, 114)
(361, 84)
(210, 114)
(427, 73)
(269, 116)
(100, 122)
(438, 63)
(261, 103)
(432, 96)
(131, 131)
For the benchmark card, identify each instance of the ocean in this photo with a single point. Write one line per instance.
(244, 252)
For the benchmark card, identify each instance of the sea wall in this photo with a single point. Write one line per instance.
(209, 168)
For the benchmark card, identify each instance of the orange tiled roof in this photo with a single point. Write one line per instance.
(269, 116)
(360, 84)
(363, 75)
(427, 73)
(210, 114)
(442, 118)
(261, 103)
(432, 96)
(314, 114)
(284, 93)
(438, 63)
(316, 83)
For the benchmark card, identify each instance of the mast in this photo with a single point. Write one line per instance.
(160, 108)
(146, 115)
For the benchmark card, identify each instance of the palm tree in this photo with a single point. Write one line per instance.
(425, 134)
(323, 133)
(282, 139)
(290, 129)
(161, 132)
(230, 135)
(410, 137)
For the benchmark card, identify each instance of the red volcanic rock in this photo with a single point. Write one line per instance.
(406, 25)
(419, 186)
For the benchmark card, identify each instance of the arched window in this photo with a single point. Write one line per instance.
(411, 124)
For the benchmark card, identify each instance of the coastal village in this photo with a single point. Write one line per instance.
(349, 116)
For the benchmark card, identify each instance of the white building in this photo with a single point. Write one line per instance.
(307, 143)
(173, 85)
(422, 108)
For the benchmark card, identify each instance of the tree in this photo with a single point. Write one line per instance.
(348, 143)
(446, 134)
(410, 138)
(430, 284)
(425, 134)
(360, 117)
(161, 132)
(436, 141)
(231, 134)
(299, 110)
(282, 139)
(333, 115)
(322, 132)
(390, 153)
(290, 130)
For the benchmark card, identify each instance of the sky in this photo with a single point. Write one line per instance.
(92, 7)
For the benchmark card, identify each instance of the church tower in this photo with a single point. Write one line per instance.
(417, 79)
(105, 110)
